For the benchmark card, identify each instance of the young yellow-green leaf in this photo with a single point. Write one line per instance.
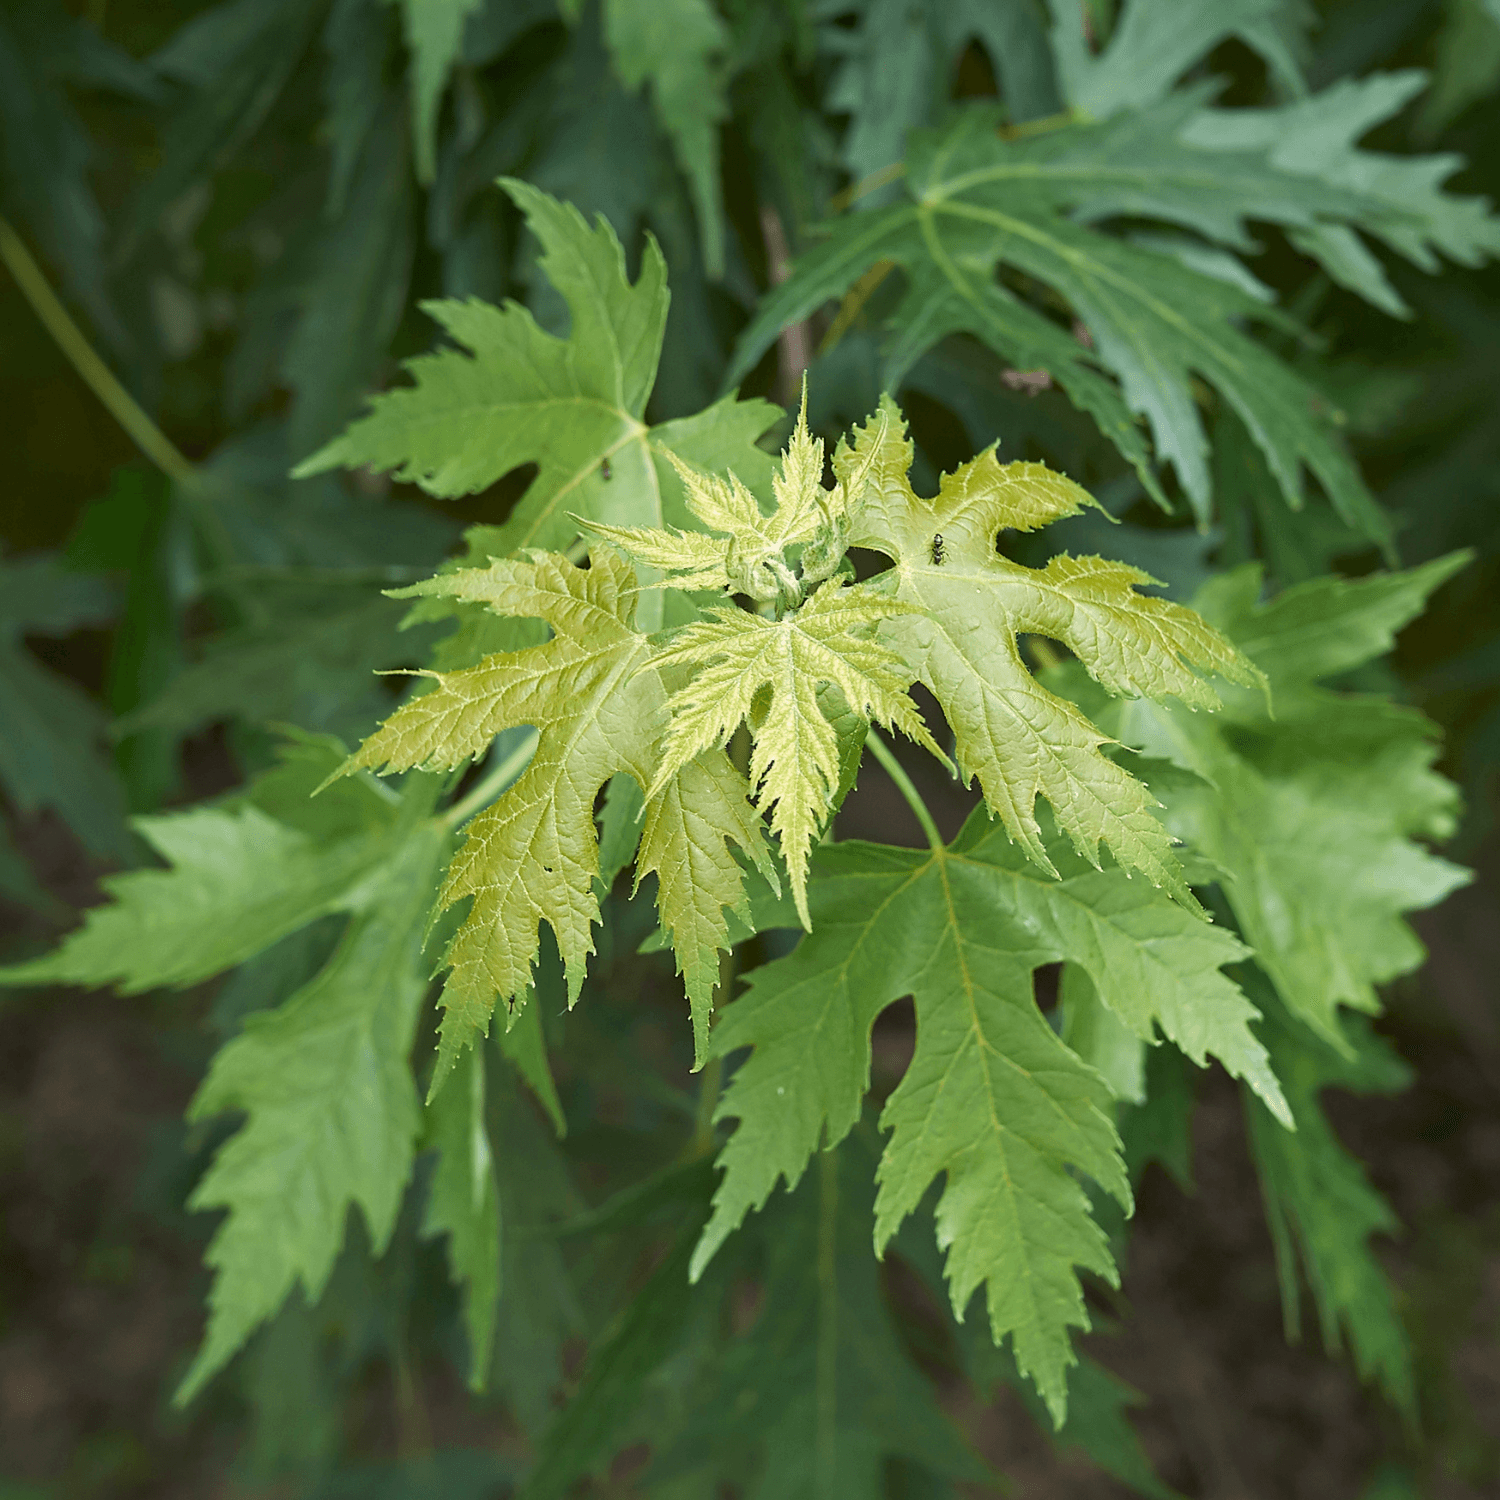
(513, 394)
(766, 673)
(691, 559)
(750, 556)
(1315, 814)
(993, 1098)
(532, 855)
(464, 1203)
(331, 1112)
(685, 836)
(967, 606)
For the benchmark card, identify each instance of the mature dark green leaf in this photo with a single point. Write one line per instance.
(894, 76)
(1154, 42)
(434, 36)
(354, 290)
(539, 1311)
(51, 753)
(1321, 1206)
(992, 1097)
(819, 1397)
(1402, 200)
(977, 201)
(303, 654)
(230, 65)
(45, 158)
(676, 46)
(52, 734)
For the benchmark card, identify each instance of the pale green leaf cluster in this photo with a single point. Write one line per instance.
(599, 709)
(950, 612)
(607, 700)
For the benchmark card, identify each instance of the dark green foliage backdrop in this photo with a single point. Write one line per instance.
(1137, 242)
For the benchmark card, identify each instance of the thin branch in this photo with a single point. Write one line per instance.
(897, 772)
(865, 186)
(854, 302)
(100, 379)
(795, 342)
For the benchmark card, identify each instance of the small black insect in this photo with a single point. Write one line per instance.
(604, 467)
(937, 550)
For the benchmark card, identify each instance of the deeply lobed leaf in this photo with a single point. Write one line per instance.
(992, 1098)
(331, 1113)
(514, 394)
(767, 673)
(1315, 815)
(966, 607)
(1160, 314)
(532, 855)
(238, 881)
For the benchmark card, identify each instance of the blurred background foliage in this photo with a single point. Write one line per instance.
(237, 209)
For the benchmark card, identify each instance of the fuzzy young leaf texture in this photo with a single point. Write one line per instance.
(779, 640)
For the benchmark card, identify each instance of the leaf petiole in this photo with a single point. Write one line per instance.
(492, 783)
(897, 772)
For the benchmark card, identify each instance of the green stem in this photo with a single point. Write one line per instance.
(1044, 651)
(491, 785)
(100, 379)
(825, 1452)
(897, 772)
(710, 1081)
